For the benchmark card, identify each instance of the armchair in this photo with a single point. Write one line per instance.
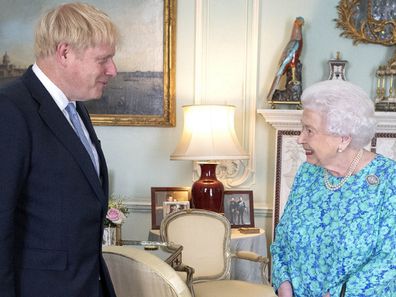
(137, 273)
(205, 237)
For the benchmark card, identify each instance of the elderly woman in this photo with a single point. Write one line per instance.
(339, 224)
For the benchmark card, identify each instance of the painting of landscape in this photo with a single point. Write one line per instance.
(142, 93)
(138, 93)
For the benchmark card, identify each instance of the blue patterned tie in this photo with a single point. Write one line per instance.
(71, 110)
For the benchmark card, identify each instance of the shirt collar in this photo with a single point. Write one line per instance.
(56, 93)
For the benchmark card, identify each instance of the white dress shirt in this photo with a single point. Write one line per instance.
(62, 101)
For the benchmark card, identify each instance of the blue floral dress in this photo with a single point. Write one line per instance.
(327, 237)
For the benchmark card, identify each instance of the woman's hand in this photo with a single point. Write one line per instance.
(327, 295)
(285, 289)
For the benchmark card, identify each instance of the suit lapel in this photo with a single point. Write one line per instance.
(57, 123)
(83, 112)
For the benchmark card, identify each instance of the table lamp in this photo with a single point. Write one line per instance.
(208, 137)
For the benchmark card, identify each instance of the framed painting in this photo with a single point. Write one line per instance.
(289, 156)
(165, 200)
(238, 208)
(385, 144)
(143, 92)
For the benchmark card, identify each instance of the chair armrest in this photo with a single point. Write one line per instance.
(254, 257)
(251, 256)
(189, 278)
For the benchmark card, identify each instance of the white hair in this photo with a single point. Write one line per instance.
(348, 109)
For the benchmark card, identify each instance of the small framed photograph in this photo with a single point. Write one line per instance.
(238, 208)
(165, 200)
(170, 207)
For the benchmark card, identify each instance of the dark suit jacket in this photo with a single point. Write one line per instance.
(52, 203)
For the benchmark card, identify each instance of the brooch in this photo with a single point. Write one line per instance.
(372, 179)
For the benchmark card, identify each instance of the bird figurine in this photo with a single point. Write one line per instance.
(290, 55)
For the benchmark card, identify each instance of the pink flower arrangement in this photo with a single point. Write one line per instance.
(116, 213)
(115, 216)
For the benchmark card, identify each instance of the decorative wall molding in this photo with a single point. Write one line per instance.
(145, 207)
(138, 207)
(233, 174)
(201, 41)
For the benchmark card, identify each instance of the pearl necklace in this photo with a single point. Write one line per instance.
(351, 169)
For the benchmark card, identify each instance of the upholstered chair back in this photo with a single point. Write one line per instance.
(205, 237)
(137, 273)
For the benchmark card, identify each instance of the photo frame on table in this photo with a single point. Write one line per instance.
(174, 206)
(143, 92)
(163, 198)
(239, 209)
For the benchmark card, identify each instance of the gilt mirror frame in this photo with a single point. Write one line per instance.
(367, 21)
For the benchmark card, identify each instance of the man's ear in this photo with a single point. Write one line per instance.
(62, 53)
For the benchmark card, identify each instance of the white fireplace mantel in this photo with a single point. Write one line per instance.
(282, 119)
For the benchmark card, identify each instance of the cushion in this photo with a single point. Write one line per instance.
(232, 288)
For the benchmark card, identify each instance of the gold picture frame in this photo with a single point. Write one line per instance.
(164, 197)
(167, 116)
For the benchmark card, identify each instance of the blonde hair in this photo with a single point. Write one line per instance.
(80, 25)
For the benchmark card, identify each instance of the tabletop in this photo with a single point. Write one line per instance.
(169, 253)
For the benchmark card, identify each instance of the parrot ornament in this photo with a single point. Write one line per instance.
(290, 56)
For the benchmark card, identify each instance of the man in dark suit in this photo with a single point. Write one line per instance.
(241, 205)
(53, 182)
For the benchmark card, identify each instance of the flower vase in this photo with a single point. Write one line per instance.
(112, 235)
(118, 235)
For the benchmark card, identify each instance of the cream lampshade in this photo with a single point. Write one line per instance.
(208, 136)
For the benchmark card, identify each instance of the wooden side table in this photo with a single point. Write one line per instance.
(169, 253)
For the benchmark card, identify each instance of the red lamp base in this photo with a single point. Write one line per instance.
(207, 192)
